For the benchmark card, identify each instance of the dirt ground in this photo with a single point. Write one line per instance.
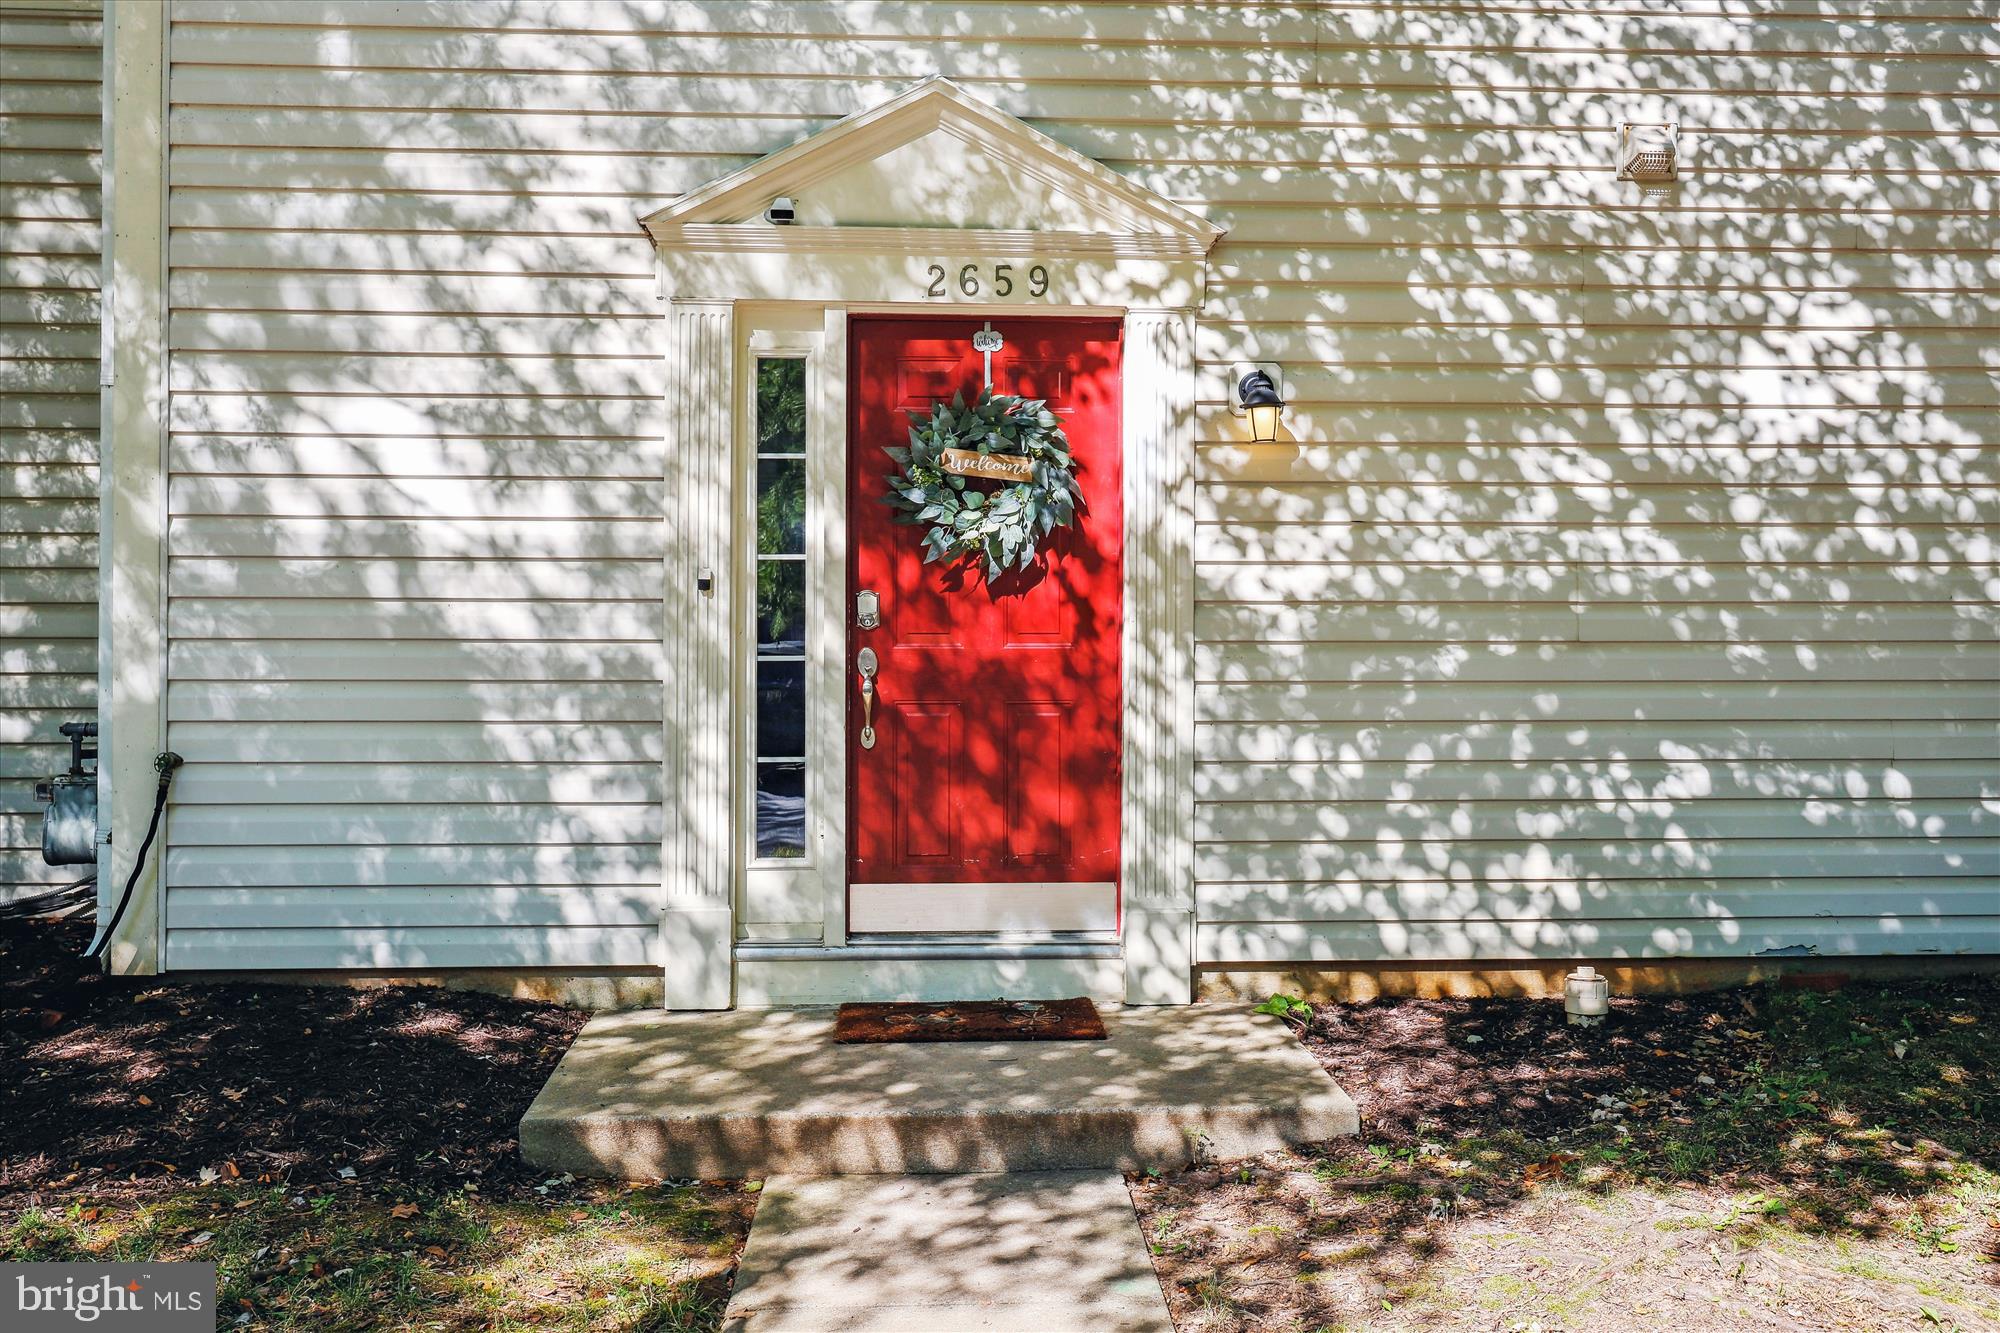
(1774, 1158)
(126, 1081)
(347, 1157)
(1768, 1158)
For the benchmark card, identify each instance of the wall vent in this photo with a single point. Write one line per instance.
(1649, 153)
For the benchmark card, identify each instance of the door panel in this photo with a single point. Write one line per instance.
(927, 746)
(1037, 804)
(997, 708)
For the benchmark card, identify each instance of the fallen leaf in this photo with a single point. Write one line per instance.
(435, 1251)
(90, 1214)
(233, 1094)
(404, 1210)
(1964, 1019)
(203, 1239)
(209, 1175)
(230, 1169)
(144, 1100)
(579, 1216)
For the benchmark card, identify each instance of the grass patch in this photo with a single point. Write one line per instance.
(593, 1257)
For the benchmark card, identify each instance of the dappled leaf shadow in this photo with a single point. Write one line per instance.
(1624, 586)
(405, 1086)
(1863, 1115)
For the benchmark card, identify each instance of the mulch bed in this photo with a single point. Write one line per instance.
(1513, 1171)
(1428, 1069)
(979, 1020)
(1425, 1068)
(120, 1085)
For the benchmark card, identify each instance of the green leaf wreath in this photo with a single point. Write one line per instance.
(1001, 528)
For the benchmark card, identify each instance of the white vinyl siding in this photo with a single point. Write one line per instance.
(1633, 589)
(51, 134)
(1628, 588)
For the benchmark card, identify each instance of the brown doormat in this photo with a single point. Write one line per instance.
(977, 1020)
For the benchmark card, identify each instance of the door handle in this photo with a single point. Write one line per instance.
(866, 661)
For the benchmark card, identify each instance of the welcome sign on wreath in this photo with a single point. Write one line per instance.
(1002, 438)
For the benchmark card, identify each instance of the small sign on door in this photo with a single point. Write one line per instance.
(994, 467)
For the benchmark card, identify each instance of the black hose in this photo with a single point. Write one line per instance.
(53, 901)
(164, 764)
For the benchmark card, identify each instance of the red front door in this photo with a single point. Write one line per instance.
(993, 782)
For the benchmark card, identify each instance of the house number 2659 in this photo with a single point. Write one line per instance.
(972, 280)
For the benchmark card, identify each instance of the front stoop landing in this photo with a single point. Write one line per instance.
(650, 1095)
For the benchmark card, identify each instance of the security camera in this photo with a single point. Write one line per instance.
(780, 213)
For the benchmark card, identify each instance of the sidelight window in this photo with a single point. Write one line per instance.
(780, 568)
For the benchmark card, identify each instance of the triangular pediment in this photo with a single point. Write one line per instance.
(936, 158)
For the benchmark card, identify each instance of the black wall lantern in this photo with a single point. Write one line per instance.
(1257, 398)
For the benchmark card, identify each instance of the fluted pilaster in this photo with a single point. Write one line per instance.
(696, 928)
(1158, 841)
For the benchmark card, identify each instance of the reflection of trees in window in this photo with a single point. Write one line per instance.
(781, 599)
(781, 497)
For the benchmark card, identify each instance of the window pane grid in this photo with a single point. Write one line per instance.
(779, 761)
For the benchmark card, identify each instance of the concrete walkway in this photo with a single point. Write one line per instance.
(1042, 1252)
(761, 1093)
(845, 1240)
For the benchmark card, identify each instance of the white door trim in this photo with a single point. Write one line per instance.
(778, 899)
(1142, 261)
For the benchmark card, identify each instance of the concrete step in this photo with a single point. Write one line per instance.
(1035, 1252)
(760, 1092)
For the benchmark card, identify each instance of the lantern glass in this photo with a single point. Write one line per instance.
(1264, 423)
